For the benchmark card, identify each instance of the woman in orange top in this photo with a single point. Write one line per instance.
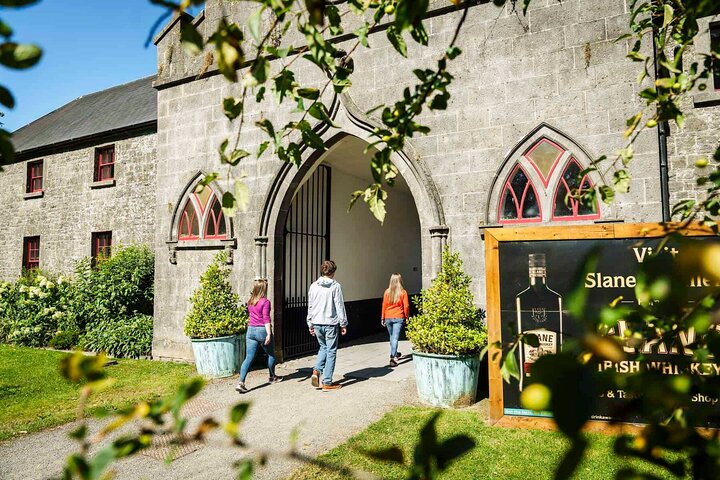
(395, 311)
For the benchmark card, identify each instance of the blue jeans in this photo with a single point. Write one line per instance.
(328, 337)
(394, 326)
(256, 338)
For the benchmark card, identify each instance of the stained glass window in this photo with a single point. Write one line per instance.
(570, 182)
(189, 224)
(214, 222)
(519, 199)
(544, 156)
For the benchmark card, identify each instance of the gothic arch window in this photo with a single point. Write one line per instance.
(519, 201)
(534, 184)
(202, 217)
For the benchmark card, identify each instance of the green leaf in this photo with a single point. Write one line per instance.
(242, 195)
(232, 108)
(245, 470)
(341, 85)
(333, 15)
(206, 180)
(259, 72)
(607, 194)
(5, 29)
(261, 149)
(397, 41)
(453, 52)
(313, 140)
(316, 11)
(621, 181)
(319, 110)
(254, 22)
(530, 339)
(235, 156)
(228, 204)
(238, 412)
(6, 97)
(509, 368)
(668, 15)
(362, 34)
(19, 56)
(190, 39)
(17, 3)
(309, 93)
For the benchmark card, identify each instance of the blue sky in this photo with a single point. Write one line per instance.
(88, 45)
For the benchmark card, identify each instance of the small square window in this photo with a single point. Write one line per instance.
(105, 163)
(715, 47)
(31, 253)
(34, 177)
(101, 245)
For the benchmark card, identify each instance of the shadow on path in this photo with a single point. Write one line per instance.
(357, 376)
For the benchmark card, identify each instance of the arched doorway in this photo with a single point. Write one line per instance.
(318, 226)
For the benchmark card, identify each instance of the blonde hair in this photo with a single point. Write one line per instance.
(395, 288)
(259, 291)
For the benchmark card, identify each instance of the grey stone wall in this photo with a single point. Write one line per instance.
(69, 210)
(558, 65)
(700, 136)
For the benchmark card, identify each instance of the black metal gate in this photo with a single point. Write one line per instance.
(307, 244)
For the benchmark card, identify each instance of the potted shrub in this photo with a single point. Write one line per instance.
(216, 323)
(447, 336)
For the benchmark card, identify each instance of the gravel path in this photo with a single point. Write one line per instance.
(323, 419)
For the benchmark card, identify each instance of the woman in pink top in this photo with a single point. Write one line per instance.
(259, 334)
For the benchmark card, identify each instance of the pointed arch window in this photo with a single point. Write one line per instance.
(519, 201)
(566, 207)
(197, 214)
(537, 186)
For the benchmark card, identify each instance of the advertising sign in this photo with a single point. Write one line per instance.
(531, 271)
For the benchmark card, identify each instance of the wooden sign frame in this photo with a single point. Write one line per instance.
(494, 237)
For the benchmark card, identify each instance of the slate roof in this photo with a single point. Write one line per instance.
(112, 110)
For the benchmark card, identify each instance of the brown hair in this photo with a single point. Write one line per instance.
(259, 291)
(328, 267)
(395, 288)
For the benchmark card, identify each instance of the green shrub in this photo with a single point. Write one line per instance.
(32, 308)
(448, 323)
(123, 337)
(121, 285)
(41, 309)
(216, 311)
(65, 340)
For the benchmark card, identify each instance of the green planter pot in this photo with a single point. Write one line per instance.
(446, 380)
(220, 356)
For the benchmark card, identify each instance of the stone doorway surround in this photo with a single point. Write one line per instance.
(348, 120)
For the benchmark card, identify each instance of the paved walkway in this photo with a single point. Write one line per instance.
(324, 419)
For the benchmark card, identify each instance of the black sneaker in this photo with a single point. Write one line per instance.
(275, 379)
(241, 388)
(398, 355)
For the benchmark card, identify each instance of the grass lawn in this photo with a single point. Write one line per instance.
(500, 453)
(34, 396)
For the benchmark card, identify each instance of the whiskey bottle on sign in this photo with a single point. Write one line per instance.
(539, 312)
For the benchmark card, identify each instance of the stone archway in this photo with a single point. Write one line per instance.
(350, 124)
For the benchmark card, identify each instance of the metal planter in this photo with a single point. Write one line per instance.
(446, 380)
(218, 357)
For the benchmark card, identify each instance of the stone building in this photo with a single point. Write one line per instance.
(534, 99)
(84, 180)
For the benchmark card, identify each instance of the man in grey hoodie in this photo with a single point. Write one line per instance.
(326, 320)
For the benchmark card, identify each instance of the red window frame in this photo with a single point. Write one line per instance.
(188, 219)
(101, 245)
(216, 221)
(105, 163)
(519, 203)
(574, 203)
(545, 180)
(31, 252)
(34, 177)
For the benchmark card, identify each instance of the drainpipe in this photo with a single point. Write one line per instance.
(663, 131)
